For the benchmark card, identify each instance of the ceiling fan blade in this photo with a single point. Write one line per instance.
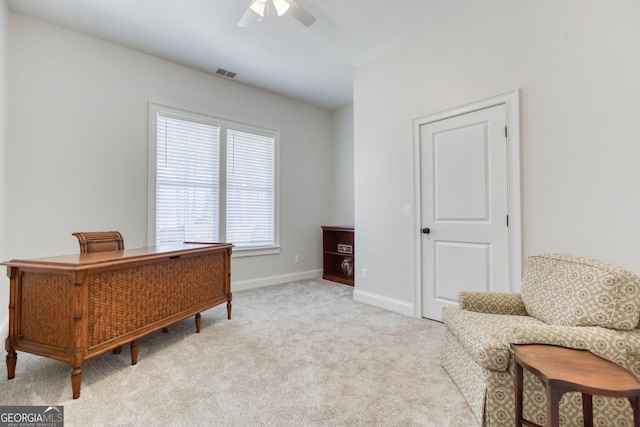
(301, 13)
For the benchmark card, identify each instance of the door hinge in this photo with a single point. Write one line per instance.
(505, 132)
(507, 220)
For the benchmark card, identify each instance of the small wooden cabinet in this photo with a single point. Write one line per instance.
(338, 252)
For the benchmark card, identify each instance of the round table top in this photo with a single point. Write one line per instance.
(578, 370)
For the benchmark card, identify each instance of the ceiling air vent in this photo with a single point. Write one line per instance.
(225, 73)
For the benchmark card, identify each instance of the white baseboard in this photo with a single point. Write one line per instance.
(261, 282)
(384, 302)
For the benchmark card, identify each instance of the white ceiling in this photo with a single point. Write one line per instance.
(313, 64)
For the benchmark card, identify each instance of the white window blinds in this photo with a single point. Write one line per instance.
(250, 189)
(187, 181)
(213, 181)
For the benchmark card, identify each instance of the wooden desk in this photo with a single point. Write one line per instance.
(71, 308)
(564, 369)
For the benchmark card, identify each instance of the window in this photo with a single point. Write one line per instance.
(211, 180)
(250, 189)
(187, 181)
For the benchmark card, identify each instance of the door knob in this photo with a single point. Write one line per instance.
(426, 230)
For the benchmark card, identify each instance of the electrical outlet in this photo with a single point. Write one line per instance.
(407, 210)
(297, 258)
(365, 273)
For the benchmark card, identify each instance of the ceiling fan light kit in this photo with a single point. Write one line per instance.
(281, 6)
(257, 9)
(258, 6)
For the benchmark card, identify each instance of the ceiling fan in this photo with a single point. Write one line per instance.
(259, 8)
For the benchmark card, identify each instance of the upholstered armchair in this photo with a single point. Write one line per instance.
(565, 300)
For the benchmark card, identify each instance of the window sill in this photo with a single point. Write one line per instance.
(247, 252)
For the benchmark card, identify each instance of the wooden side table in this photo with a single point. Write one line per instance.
(564, 369)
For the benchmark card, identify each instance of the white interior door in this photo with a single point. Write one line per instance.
(464, 196)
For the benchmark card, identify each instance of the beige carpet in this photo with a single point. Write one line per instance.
(298, 354)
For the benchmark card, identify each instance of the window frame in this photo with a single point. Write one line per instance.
(223, 126)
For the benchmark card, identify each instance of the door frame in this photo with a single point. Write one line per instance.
(511, 100)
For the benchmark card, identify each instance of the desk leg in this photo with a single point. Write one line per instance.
(635, 405)
(134, 352)
(229, 306)
(12, 358)
(76, 380)
(519, 393)
(198, 322)
(587, 409)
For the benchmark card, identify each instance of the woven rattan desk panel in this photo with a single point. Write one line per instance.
(75, 307)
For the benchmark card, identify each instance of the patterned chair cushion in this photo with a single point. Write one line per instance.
(567, 290)
(621, 347)
(481, 334)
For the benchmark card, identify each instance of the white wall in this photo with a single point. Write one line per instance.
(77, 132)
(4, 294)
(342, 202)
(576, 63)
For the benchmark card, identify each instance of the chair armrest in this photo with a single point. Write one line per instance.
(618, 346)
(492, 303)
